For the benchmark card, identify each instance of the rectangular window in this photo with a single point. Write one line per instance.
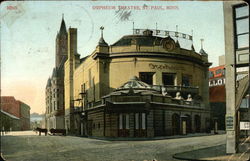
(146, 77)
(186, 80)
(120, 121)
(90, 78)
(143, 120)
(137, 121)
(245, 102)
(54, 105)
(83, 87)
(57, 104)
(127, 121)
(168, 78)
(243, 41)
(241, 21)
(241, 11)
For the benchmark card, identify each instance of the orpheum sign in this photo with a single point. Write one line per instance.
(217, 82)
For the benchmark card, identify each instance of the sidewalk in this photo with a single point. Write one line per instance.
(155, 138)
(213, 153)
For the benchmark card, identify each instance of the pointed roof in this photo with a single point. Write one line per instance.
(102, 42)
(55, 73)
(63, 27)
(202, 52)
(48, 83)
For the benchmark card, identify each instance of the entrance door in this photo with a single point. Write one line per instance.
(81, 129)
(89, 127)
(189, 124)
(140, 125)
(175, 124)
(197, 120)
(123, 130)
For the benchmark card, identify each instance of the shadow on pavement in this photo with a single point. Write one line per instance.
(200, 154)
(211, 153)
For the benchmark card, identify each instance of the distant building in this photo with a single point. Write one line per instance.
(144, 85)
(9, 122)
(10, 105)
(16, 109)
(24, 116)
(221, 60)
(55, 85)
(217, 95)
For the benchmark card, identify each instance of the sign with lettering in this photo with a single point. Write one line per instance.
(244, 125)
(217, 82)
(164, 66)
(229, 122)
(165, 33)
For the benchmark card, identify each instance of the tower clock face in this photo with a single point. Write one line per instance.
(169, 45)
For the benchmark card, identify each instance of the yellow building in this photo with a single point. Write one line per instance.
(167, 95)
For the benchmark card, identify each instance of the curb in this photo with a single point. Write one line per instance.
(147, 139)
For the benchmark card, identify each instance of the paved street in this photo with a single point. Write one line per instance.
(28, 146)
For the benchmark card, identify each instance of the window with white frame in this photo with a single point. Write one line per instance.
(241, 33)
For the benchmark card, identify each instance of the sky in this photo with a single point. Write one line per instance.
(28, 31)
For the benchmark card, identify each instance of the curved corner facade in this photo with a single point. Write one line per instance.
(96, 104)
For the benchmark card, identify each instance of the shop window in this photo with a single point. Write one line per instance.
(168, 78)
(146, 77)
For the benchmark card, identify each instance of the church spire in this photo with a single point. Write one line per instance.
(63, 26)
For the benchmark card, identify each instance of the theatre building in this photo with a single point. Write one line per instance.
(144, 85)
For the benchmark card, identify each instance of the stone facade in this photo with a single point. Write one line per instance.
(55, 85)
(90, 83)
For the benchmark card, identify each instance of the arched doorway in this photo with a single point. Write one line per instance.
(197, 123)
(175, 124)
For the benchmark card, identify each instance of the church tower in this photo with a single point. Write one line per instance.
(61, 45)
